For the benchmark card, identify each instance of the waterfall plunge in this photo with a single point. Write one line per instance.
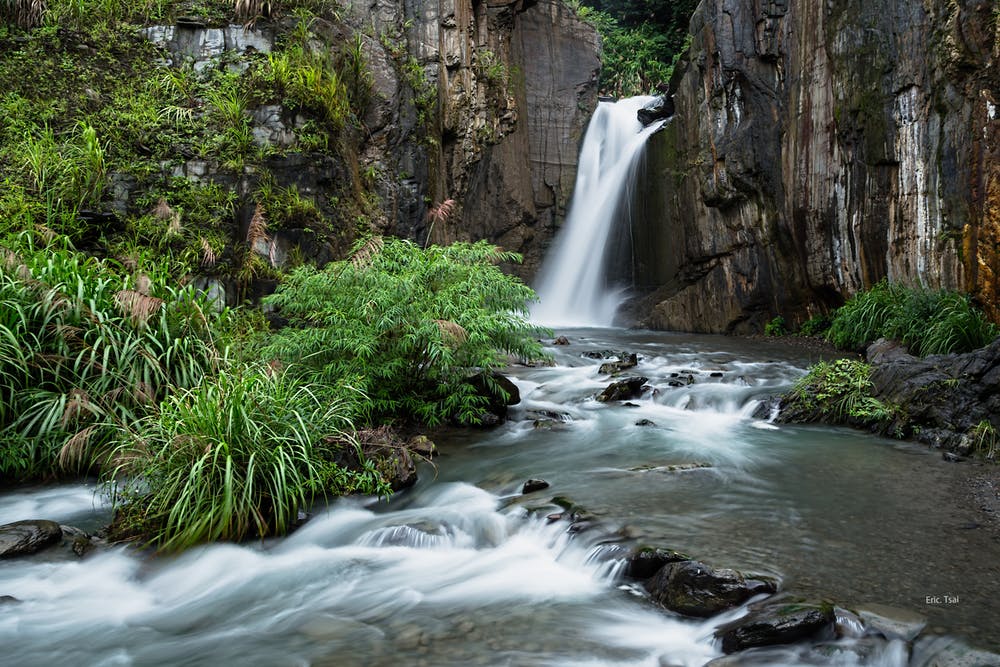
(572, 286)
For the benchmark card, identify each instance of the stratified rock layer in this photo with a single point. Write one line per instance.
(816, 149)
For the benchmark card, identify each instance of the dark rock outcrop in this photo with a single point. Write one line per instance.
(777, 622)
(626, 361)
(23, 538)
(944, 398)
(499, 392)
(661, 107)
(623, 390)
(533, 485)
(693, 588)
(816, 149)
(644, 562)
(948, 401)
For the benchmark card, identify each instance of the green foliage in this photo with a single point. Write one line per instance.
(641, 41)
(490, 67)
(985, 438)
(85, 346)
(286, 207)
(236, 456)
(926, 321)
(776, 327)
(407, 326)
(815, 326)
(308, 81)
(841, 390)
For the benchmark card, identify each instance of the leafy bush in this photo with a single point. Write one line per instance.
(237, 456)
(408, 326)
(926, 321)
(84, 346)
(817, 325)
(776, 327)
(840, 391)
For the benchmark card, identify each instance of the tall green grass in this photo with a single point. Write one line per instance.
(84, 346)
(926, 321)
(237, 456)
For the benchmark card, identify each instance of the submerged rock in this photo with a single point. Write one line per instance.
(693, 588)
(623, 390)
(23, 538)
(561, 340)
(892, 622)
(776, 622)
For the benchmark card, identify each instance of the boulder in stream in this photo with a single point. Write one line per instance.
(499, 392)
(777, 622)
(533, 485)
(626, 361)
(23, 538)
(623, 390)
(693, 588)
(643, 562)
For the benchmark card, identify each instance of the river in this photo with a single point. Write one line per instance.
(465, 570)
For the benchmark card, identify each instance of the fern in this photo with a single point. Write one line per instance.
(407, 325)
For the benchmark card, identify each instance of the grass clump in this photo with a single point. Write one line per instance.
(926, 321)
(840, 391)
(407, 325)
(84, 346)
(237, 456)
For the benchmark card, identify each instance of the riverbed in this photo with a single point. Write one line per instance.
(465, 569)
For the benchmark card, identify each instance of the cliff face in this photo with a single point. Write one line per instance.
(816, 149)
(493, 121)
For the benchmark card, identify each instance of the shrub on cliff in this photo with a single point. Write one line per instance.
(926, 321)
(407, 325)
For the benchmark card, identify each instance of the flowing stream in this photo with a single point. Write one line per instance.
(465, 570)
(572, 285)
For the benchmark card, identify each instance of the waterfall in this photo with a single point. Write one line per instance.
(572, 285)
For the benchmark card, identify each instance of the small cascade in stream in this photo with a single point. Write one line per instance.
(572, 285)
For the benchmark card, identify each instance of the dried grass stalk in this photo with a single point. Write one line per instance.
(257, 231)
(162, 210)
(71, 454)
(442, 211)
(452, 332)
(363, 257)
(208, 256)
(77, 404)
(137, 306)
(143, 284)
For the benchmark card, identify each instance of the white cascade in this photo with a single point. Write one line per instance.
(571, 286)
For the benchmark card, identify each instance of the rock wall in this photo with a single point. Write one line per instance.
(816, 149)
(493, 120)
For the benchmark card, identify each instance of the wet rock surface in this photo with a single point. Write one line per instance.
(810, 116)
(776, 622)
(623, 390)
(23, 538)
(644, 562)
(693, 588)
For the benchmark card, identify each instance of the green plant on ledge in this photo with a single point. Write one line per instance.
(841, 391)
(986, 439)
